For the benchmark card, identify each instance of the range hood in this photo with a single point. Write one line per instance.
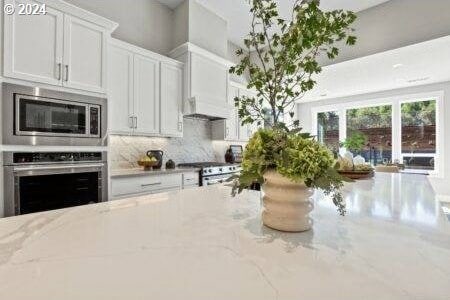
(206, 80)
(196, 108)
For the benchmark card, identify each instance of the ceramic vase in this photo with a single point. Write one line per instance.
(286, 204)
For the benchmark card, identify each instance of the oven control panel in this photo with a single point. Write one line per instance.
(211, 171)
(53, 157)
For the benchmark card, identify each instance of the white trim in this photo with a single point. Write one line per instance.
(138, 50)
(395, 102)
(192, 48)
(75, 11)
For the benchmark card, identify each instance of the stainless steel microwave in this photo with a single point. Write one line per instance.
(35, 116)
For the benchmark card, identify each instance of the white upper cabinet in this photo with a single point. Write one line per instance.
(231, 129)
(84, 55)
(66, 46)
(120, 90)
(33, 45)
(171, 99)
(228, 129)
(146, 94)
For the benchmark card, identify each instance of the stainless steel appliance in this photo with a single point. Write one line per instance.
(213, 172)
(35, 116)
(43, 181)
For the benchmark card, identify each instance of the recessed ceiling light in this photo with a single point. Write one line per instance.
(396, 66)
(418, 79)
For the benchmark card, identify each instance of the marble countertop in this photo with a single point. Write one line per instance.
(203, 244)
(117, 173)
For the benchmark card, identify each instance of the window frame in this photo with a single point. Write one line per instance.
(395, 102)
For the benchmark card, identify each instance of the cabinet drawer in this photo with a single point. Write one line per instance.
(129, 186)
(190, 179)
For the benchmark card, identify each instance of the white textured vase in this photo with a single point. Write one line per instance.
(286, 204)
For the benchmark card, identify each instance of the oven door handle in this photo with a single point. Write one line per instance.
(215, 181)
(57, 167)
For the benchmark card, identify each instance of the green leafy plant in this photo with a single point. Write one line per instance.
(281, 56)
(355, 142)
(280, 61)
(295, 156)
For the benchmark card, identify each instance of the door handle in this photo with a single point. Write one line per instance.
(150, 184)
(131, 122)
(59, 71)
(135, 122)
(67, 73)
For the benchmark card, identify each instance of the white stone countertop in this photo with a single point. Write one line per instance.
(201, 243)
(117, 173)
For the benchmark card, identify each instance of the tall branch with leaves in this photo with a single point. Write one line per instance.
(286, 54)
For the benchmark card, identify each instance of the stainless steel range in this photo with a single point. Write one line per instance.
(213, 172)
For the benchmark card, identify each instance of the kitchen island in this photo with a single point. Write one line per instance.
(201, 243)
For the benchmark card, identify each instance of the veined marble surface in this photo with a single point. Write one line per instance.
(203, 244)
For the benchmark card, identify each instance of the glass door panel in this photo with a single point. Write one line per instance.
(375, 123)
(418, 134)
(328, 130)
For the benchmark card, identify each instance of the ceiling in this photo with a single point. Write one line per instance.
(418, 64)
(236, 12)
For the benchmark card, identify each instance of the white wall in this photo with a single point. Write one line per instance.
(395, 24)
(196, 24)
(441, 185)
(145, 23)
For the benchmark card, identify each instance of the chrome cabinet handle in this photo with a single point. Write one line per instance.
(180, 126)
(59, 71)
(227, 131)
(135, 122)
(131, 121)
(150, 184)
(67, 73)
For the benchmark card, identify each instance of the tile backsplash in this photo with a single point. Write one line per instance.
(196, 145)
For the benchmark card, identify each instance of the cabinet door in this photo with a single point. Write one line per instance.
(171, 100)
(120, 90)
(146, 95)
(84, 55)
(33, 45)
(232, 124)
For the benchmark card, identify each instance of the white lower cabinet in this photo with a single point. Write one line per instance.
(190, 179)
(129, 186)
(144, 92)
(140, 185)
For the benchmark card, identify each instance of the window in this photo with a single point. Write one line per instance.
(328, 130)
(375, 123)
(418, 134)
(401, 129)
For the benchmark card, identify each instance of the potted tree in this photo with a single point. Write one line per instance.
(281, 59)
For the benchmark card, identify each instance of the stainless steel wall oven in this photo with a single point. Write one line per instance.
(41, 181)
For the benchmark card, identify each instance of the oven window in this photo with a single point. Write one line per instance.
(51, 117)
(48, 192)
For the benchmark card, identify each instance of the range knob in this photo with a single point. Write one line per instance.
(220, 169)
